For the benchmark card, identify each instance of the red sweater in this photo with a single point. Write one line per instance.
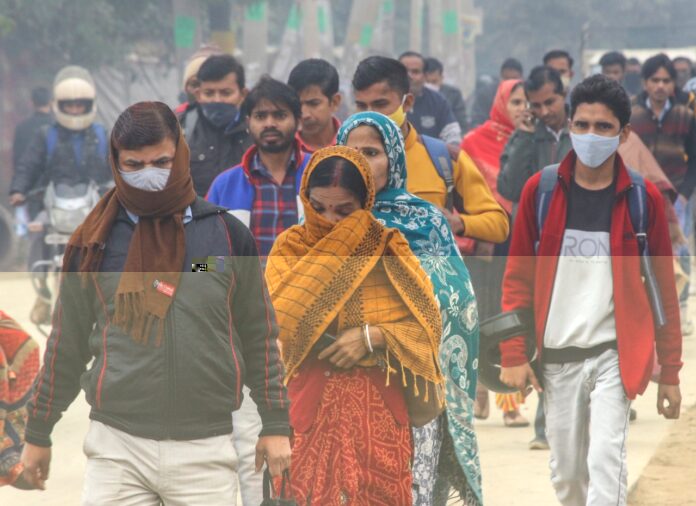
(530, 276)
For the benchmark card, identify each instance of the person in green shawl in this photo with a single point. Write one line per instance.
(446, 454)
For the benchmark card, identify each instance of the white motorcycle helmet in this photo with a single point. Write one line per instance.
(74, 84)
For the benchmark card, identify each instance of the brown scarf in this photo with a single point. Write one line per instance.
(157, 248)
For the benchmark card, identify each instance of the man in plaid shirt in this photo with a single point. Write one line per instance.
(262, 193)
(262, 190)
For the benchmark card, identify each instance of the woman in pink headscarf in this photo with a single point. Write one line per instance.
(484, 145)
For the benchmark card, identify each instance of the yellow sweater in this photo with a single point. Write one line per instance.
(484, 219)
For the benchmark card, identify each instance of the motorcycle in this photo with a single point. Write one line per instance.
(64, 208)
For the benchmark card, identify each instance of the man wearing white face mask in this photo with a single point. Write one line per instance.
(574, 261)
(561, 62)
(165, 355)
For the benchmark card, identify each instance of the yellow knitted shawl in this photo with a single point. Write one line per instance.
(318, 269)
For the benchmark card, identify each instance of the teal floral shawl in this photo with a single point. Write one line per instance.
(430, 237)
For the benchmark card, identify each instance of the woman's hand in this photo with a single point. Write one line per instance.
(350, 347)
(525, 121)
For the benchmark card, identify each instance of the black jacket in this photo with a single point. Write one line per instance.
(220, 332)
(213, 149)
(456, 101)
(34, 169)
(26, 132)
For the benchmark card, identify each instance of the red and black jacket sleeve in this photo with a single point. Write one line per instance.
(256, 325)
(65, 359)
(520, 273)
(668, 339)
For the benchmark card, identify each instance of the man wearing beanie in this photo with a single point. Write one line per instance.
(213, 126)
(190, 82)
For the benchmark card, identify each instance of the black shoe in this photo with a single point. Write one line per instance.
(632, 415)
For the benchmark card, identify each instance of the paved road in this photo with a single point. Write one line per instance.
(512, 474)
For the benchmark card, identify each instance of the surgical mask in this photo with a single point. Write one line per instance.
(432, 86)
(220, 114)
(399, 116)
(592, 149)
(566, 82)
(149, 179)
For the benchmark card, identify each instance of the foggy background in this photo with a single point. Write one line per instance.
(137, 49)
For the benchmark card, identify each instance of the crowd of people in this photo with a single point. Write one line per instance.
(264, 284)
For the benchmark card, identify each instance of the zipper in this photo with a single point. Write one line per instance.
(624, 192)
(171, 375)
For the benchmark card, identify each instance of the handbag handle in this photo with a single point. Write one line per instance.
(268, 489)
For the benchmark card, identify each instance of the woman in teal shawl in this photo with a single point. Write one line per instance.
(430, 237)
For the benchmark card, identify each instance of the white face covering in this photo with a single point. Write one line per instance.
(592, 149)
(151, 179)
(566, 82)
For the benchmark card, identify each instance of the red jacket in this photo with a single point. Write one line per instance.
(530, 276)
(335, 123)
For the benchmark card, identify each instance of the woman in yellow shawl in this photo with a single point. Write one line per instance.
(344, 274)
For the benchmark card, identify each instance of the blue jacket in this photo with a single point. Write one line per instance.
(233, 190)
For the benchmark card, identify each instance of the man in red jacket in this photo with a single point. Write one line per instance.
(593, 319)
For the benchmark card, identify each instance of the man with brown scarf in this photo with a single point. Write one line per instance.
(172, 349)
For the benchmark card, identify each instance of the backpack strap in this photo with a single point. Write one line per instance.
(637, 202)
(100, 134)
(51, 141)
(440, 156)
(547, 185)
(638, 209)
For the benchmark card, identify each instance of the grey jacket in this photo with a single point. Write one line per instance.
(220, 333)
(526, 154)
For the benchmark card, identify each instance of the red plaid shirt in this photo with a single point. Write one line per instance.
(275, 205)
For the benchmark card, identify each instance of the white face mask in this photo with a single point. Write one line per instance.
(150, 179)
(566, 82)
(592, 149)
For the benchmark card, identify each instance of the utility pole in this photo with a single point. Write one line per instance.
(187, 31)
(255, 40)
(383, 39)
(463, 69)
(416, 39)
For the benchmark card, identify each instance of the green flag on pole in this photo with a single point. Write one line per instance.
(294, 18)
(449, 22)
(184, 31)
(255, 11)
(366, 35)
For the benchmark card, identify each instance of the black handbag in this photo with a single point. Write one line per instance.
(497, 329)
(270, 498)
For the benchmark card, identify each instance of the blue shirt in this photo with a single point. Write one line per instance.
(188, 215)
(433, 116)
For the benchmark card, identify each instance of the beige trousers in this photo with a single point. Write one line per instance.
(126, 470)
